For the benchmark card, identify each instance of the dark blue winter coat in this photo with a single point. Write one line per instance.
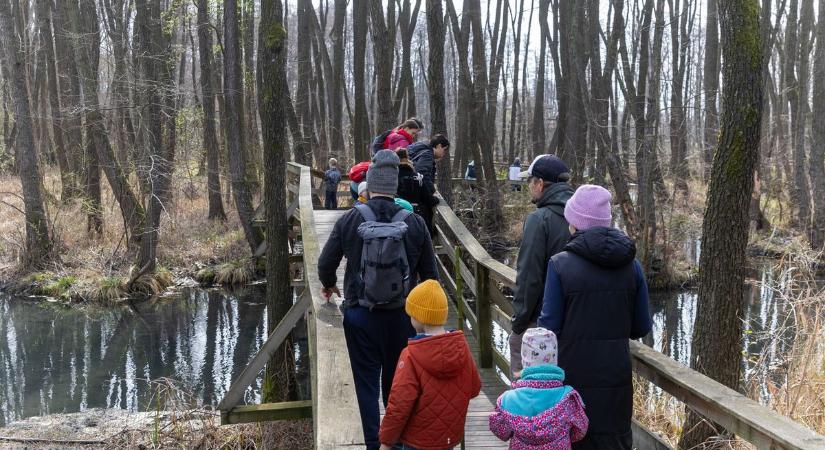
(595, 300)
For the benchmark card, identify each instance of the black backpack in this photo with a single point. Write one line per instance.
(385, 271)
(378, 142)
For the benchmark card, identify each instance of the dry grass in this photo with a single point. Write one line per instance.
(97, 265)
(178, 425)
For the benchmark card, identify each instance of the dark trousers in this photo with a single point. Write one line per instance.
(331, 200)
(605, 442)
(374, 342)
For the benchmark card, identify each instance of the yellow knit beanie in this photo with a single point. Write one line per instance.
(427, 303)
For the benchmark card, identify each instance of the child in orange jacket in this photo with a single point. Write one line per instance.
(434, 381)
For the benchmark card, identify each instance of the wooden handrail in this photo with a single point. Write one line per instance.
(746, 418)
(337, 421)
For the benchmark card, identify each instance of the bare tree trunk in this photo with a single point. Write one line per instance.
(279, 379)
(718, 331)
(538, 108)
(70, 94)
(235, 141)
(435, 88)
(514, 107)
(801, 184)
(160, 91)
(680, 20)
(480, 107)
(38, 242)
(383, 39)
(303, 152)
(68, 187)
(99, 150)
(337, 85)
(711, 80)
(250, 110)
(361, 121)
(818, 132)
(210, 138)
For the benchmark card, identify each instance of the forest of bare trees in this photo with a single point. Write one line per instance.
(125, 98)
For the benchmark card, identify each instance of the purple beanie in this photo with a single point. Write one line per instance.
(589, 207)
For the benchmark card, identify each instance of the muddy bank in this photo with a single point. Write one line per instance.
(118, 429)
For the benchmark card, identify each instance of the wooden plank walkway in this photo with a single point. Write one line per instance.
(477, 431)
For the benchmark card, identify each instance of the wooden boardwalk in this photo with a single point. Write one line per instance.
(477, 431)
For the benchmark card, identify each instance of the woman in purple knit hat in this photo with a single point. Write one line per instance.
(595, 300)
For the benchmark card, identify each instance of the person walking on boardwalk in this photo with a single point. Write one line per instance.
(545, 234)
(331, 179)
(595, 300)
(387, 248)
(400, 137)
(540, 412)
(424, 157)
(435, 379)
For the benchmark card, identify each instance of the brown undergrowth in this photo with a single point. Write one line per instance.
(96, 268)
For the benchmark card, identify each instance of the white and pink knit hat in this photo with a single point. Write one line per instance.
(539, 346)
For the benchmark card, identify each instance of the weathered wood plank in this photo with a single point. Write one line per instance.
(337, 422)
(643, 439)
(746, 418)
(269, 411)
(251, 371)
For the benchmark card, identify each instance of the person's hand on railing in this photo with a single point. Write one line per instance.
(327, 292)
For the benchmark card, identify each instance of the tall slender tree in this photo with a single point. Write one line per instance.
(235, 139)
(38, 240)
(711, 82)
(383, 39)
(818, 133)
(436, 90)
(718, 331)
(272, 48)
(210, 138)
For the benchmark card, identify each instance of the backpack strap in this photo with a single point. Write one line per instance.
(401, 215)
(367, 213)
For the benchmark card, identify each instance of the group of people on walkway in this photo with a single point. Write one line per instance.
(580, 296)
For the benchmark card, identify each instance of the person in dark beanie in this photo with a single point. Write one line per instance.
(595, 300)
(545, 233)
(375, 331)
(424, 157)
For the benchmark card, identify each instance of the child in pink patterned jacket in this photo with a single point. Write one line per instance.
(540, 412)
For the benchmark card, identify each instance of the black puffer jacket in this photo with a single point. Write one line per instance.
(602, 309)
(545, 234)
(422, 157)
(344, 241)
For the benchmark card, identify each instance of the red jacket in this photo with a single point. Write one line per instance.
(435, 379)
(398, 138)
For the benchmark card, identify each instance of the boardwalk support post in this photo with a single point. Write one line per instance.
(459, 288)
(485, 321)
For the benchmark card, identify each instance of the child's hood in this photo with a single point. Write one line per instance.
(442, 356)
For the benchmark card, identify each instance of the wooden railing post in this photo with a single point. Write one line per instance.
(485, 321)
(459, 288)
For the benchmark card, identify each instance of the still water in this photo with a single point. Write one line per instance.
(55, 359)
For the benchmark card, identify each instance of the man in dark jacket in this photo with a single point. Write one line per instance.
(424, 156)
(595, 300)
(545, 234)
(375, 336)
(331, 179)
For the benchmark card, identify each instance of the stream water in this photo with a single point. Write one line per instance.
(55, 359)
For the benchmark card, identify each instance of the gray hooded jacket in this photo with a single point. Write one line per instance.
(545, 233)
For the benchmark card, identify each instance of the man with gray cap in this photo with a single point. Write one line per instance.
(375, 330)
(545, 234)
